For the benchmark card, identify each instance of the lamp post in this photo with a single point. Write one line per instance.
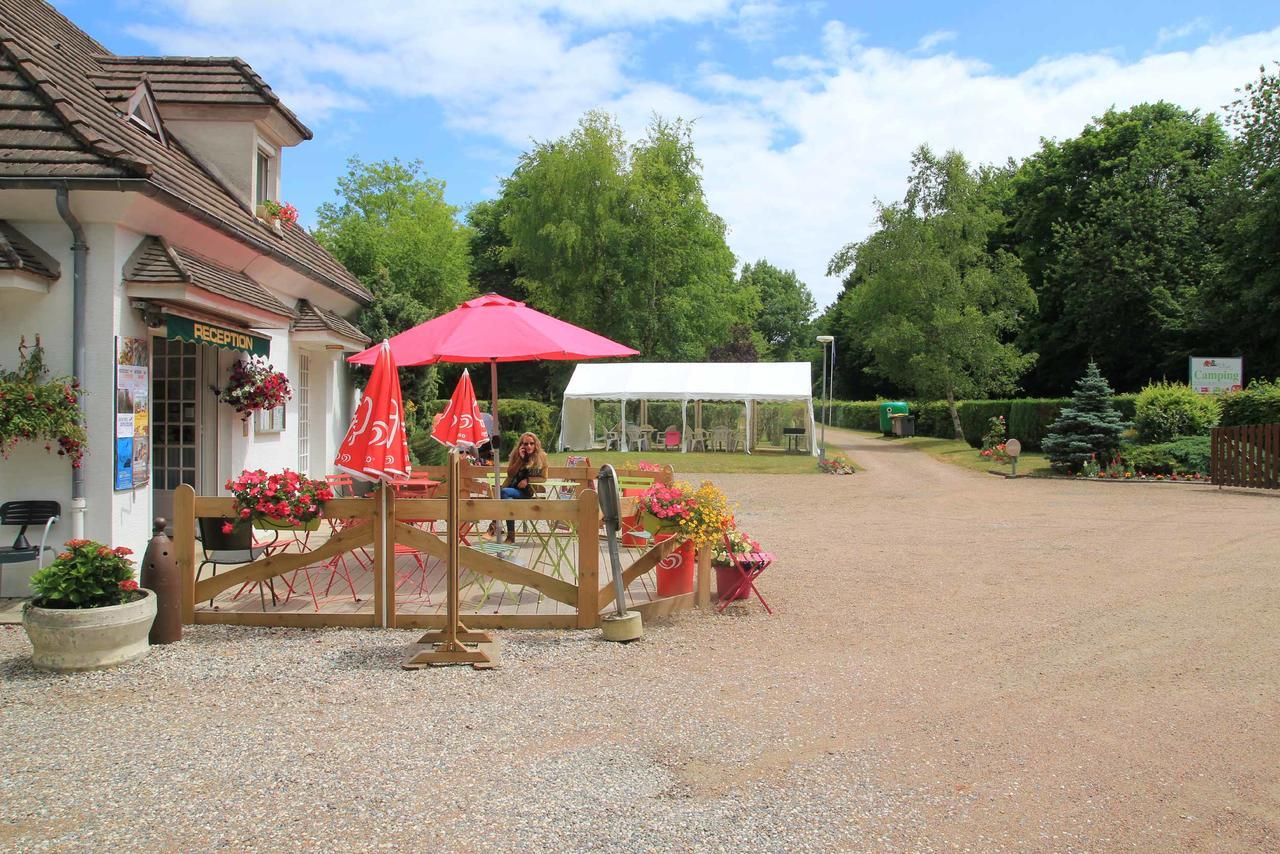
(824, 340)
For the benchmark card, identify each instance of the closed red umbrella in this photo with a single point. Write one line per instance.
(375, 447)
(460, 425)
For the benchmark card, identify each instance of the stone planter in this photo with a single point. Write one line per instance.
(70, 639)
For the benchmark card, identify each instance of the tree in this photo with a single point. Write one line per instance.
(392, 217)
(1240, 303)
(393, 229)
(933, 305)
(620, 240)
(1089, 427)
(1110, 230)
(786, 309)
(740, 346)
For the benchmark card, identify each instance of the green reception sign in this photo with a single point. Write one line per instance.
(199, 332)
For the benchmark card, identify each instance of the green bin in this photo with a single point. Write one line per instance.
(889, 408)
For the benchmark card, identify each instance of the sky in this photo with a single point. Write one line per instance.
(805, 113)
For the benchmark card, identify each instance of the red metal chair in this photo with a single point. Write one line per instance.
(749, 566)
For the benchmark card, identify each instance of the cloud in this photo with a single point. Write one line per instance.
(1174, 34)
(931, 40)
(795, 153)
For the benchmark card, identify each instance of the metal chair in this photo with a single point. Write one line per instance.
(233, 549)
(749, 566)
(25, 514)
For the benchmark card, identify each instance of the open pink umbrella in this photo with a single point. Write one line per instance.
(495, 329)
(460, 425)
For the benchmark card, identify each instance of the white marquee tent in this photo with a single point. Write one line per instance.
(748, 382)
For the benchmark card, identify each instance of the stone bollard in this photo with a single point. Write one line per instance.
(160, 575)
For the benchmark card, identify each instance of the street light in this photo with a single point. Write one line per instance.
(824, 340)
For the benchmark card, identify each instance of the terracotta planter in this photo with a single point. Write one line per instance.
(70, 639)
(728, 577)
(676, 571)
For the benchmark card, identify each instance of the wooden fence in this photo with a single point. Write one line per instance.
(1246, 456)
(374, 525)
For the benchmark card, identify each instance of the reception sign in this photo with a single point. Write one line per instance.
(133, 391)
(1216, 374)
(212, 335)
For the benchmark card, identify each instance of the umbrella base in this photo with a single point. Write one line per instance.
(622, 628)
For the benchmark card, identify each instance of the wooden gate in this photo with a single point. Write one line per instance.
(1246, 456)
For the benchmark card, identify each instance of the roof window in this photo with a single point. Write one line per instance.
(141, 110)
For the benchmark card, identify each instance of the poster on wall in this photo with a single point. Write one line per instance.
(1210, 375)
(133, 450)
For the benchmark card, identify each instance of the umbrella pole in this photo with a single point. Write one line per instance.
(450, 643)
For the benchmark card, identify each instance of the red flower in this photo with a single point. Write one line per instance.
(227, 527)
(103, 551)
(121, 551)
(128, 584)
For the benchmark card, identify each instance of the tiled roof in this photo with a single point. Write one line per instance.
(314, 319)
(17, 252)
(156, 263)
(190, 80)
(59, 125)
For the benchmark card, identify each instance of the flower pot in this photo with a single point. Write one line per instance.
(266, 523)
(675, 572)
(654, 525)
(728, 577)
(70, 639)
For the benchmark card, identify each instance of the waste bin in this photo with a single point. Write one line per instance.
(904, 425)
(887, 408)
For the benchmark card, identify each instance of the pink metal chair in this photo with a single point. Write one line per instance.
(749, 566)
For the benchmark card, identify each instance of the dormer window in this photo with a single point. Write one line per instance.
(262, 170)
(141, 110)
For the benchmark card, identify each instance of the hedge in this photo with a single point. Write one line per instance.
(1028, 419)
(1257, 404)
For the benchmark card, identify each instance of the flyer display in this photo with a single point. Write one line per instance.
(133, 444)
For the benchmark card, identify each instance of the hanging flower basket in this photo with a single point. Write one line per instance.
(34, 408)
(254, 385)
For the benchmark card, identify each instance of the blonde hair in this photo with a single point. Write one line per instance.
(538, 461)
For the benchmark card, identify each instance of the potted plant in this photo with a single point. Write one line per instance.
(277, 214)
(727, 576)
(285, 500)
(253, 385)
(88, 612)
(662, 507)
(34, 408)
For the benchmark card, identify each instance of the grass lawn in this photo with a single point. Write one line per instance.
(761, 462)
(959, 453)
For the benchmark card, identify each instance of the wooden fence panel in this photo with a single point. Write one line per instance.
(1247, 456)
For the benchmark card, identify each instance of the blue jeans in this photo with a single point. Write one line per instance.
(512, 492)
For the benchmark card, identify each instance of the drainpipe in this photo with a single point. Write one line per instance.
(79, 253)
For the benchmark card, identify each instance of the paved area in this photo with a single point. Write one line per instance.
(958, 662)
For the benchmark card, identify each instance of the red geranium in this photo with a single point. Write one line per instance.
(286, 497)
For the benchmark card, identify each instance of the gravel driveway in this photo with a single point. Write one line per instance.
(957, 662)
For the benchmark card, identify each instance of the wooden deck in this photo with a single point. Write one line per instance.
(345, 586)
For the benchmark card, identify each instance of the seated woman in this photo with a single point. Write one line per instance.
(527, 460)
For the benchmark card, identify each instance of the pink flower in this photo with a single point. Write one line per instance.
(227, 527)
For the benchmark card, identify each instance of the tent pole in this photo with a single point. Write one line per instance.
(684, 426)
(622, 425)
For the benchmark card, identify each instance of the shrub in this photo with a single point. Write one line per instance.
(1165, 410)
(994, 441)
(975, 418)
(1257, 404)
(1089, 427)
(1184, 454)
(86, 575)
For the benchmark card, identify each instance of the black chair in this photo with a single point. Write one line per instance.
(25, 514)
(233, 549)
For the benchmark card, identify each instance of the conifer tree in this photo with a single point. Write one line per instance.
(1089, 425)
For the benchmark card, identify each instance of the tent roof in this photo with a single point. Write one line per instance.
(692, 381)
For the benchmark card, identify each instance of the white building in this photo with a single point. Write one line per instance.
(156, 167)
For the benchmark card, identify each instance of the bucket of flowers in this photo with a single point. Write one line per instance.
(662, 507)
(254, 385)
(727, 577)
(286, 500)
